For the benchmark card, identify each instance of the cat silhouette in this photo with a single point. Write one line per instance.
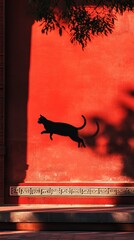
(63, 129)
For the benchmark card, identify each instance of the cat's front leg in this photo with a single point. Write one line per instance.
(44, 132)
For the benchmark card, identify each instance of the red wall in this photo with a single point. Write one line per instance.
(54, 78)
(66, 82)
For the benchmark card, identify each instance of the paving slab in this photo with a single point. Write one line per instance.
(67, 235)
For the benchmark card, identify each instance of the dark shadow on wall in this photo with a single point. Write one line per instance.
(117, 139)
(17, 46)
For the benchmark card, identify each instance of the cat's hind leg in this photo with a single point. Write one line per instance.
(78, 140)
(51, 136)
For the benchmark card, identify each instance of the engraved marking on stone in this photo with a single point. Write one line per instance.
(75, 191)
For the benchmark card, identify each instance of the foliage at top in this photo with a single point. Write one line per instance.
(82, 19)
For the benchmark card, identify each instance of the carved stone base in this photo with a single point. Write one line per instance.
(75, 191)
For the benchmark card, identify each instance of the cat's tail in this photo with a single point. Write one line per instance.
(97, 129)
(84, 124)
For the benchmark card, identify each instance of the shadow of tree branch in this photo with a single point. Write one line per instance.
(82, 19)
(116, 139)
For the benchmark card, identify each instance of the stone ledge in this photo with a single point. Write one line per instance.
(60, 214)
